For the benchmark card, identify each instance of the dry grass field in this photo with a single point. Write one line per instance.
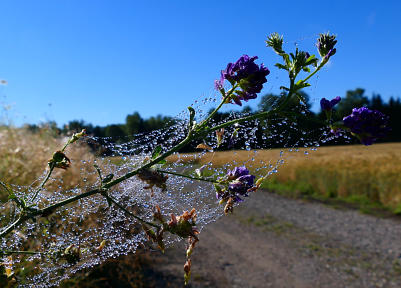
(357, 173)
(24, 156)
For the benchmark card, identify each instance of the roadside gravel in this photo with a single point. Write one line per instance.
(273, 241)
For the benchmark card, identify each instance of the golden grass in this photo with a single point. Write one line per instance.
(371, 173)
(24, 156)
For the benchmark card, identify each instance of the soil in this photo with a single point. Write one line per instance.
(273, 241)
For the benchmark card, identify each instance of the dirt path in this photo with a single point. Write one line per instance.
(271, 241)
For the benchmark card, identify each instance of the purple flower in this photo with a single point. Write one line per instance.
(240, 181)
(327, 105)
(247, 74)
(237, 172)
(367, 125)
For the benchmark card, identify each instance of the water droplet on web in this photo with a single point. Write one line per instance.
(90, 220)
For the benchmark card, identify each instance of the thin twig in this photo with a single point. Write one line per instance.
(188, 176)
(129, 213)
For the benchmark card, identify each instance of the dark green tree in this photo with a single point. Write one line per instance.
(115, 130)
(134, 124)
(353, 99)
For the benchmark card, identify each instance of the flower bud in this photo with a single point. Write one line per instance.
(101, 246)
(199, 171)
(59, 160)
(76, 136)
(72, 254)
(327, 105)
(259, 181)
(157, 214)
(275, 41)
(229, 206)
(325, 45)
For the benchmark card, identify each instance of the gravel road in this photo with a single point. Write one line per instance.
(273, 241)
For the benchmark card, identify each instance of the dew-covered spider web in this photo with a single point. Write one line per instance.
(88, 222)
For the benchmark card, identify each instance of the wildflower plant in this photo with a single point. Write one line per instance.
(139, 200)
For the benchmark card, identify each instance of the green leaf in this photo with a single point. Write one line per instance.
(157, 151)
(281, 66)
(108, 178)
(286, 59)
(191, 116)
(300, 84)
(311, 60)
(306, 69)
(217, 187)
(11, 195)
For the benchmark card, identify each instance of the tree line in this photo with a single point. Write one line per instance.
(309, 121)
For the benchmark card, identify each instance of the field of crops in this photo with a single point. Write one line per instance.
(364, 174)
(359, 174)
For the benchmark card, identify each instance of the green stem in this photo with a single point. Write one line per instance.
(52, 166)
(43, 182)
(51, 208)
(260, 115)
(12, 226)
(191, 136)
(47, 210)
(66, 145)
(152, 162)
(116, 181)
(10, 252)
(322, 63)
(187, 176)
(225, 98)
(288, 97)
(15, 199)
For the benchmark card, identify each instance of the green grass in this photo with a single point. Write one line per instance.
(305, 191)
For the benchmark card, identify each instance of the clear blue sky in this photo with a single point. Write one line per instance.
(101, 60)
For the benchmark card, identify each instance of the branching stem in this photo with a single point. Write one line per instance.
(200, 131)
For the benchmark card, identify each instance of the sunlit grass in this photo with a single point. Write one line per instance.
(24, 156)
(357, 174)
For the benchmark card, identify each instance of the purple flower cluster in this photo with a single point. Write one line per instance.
(327, 105)
(249, 76)
(240, 181)
(367, 125)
